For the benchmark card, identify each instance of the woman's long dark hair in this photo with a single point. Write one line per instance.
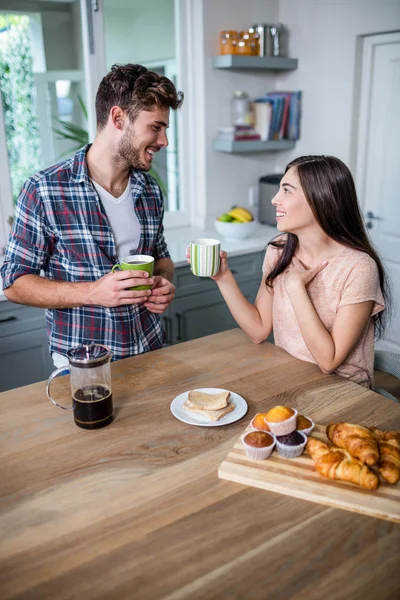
(329, 189)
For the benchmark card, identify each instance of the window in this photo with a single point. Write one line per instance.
(42, 95)
(71, 45)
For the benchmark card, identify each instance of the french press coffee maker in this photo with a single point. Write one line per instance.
(90, 377)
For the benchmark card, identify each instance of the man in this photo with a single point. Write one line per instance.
(73, 222)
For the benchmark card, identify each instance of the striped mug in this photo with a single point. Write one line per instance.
(204, 257)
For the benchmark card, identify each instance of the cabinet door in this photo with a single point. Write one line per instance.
(246, 268)
(167, 325)
(24, 359)
(203, 314)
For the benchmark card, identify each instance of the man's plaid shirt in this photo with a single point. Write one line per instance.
(61, 228)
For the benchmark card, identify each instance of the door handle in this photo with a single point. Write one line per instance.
(179, 337)
(370, 215)
(8, 319)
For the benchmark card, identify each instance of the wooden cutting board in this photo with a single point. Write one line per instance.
(297, 477)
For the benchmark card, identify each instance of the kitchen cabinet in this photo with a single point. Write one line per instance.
(24, 354)
(199, 308)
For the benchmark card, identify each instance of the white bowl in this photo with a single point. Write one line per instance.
(236, 230)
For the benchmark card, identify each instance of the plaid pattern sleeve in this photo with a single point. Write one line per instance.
(61, 231)
(29, 241)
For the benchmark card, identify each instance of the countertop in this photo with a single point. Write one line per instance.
(178, 239)
(136, 510)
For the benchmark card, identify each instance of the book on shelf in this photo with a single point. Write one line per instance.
(277, 115)
(238, 133)
(262, 110)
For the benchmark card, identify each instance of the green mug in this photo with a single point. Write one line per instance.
(137, 262)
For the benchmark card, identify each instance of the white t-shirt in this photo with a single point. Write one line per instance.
(123, 220)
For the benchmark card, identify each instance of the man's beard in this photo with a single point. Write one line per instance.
(129, 154)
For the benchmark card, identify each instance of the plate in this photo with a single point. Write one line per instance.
(197, 419)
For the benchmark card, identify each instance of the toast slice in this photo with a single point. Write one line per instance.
(208, 401)
(213, 415)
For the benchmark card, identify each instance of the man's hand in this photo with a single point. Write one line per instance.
(113, 289)
(162, 294)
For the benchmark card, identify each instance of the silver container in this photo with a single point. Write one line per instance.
(274, 39)
(269, 187)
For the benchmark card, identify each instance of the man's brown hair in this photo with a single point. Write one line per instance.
(134, 88)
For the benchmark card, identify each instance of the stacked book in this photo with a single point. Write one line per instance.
(276, 116)
(238, 133)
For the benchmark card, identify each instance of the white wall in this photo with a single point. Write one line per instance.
(323, 36)
(228, 177)
(138, 31)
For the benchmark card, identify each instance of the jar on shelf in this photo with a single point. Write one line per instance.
(227, 42)
(254, 42)
(273, 39)
(243, 45)
(240, 108)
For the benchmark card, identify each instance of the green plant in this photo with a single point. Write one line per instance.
(74, 133)
(18, 96)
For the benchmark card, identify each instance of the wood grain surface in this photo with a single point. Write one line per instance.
(136, 510)
(298, 478)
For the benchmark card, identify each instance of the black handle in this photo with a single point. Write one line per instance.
(8, 319)
(179, 318)
(167, 329)
(370, 215)
(233, 271)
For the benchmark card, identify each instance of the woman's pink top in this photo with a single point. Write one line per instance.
(351, 277)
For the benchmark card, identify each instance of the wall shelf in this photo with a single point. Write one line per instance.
(266, 63)
(252, 146)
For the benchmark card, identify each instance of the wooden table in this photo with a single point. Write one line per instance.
(136, 510)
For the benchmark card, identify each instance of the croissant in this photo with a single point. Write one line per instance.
(389, 448)
(356, 439)
(335, 463)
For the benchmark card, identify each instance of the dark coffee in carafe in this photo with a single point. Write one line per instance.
(90, 377)
(93, 406)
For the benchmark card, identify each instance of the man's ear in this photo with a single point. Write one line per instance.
(117, 117)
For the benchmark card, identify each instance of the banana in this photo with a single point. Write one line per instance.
(241, 214)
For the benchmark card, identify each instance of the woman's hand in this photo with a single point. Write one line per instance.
(298, 275)
(223, 269)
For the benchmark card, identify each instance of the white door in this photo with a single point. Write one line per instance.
(378, 161)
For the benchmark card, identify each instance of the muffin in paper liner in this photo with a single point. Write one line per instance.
(283, 427)
(258, 453)
(258, 423)
(291, 451)
(307, 430)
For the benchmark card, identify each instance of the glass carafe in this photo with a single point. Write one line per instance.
(90, 378)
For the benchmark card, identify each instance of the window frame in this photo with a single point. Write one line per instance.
(189, 46)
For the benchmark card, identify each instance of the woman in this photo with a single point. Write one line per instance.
(323, 288)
